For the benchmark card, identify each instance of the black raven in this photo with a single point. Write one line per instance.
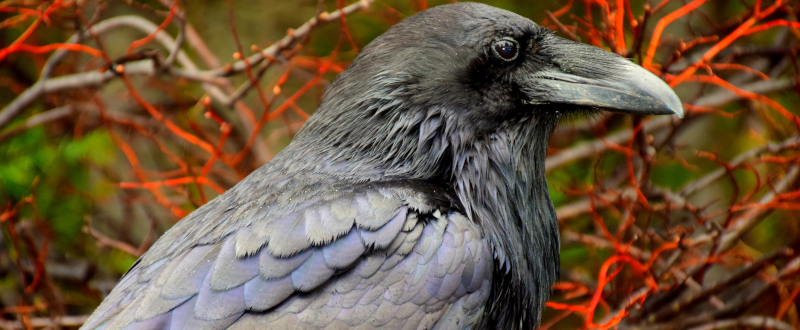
(414, 197)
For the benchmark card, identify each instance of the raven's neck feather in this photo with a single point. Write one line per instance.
(502, 180)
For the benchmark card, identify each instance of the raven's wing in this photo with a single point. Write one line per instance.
(376, 256)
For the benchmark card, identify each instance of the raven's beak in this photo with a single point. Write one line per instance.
(589, 76)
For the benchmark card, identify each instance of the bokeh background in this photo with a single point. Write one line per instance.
(120, 117)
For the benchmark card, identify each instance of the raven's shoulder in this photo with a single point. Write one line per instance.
(252, 251)
(318, 209)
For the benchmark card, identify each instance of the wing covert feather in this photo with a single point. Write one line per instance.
(365, 259)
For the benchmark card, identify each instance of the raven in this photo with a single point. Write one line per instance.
(414, 197)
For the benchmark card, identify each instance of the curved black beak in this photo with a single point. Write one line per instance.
(589, 76)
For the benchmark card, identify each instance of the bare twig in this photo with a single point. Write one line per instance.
(561, 27)
(216, 76)
(738, 276)
(103, 240)
(742, 224)
(47, 85)
(173, 54)
(297, 34)
(586, 149)
(46, 322)
(36, 120)
(275, 49)
(790, 143)
(760, 322)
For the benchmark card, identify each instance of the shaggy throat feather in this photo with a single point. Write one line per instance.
(502, 182)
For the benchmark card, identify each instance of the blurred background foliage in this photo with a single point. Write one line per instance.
(76, 212)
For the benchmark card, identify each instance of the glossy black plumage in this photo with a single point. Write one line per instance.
(414, 197)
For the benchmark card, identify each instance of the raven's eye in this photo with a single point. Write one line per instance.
(506, 49)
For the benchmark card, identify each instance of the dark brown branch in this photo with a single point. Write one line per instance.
(738, 276)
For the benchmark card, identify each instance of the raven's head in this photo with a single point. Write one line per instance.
(489, 66)
(467, 95)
